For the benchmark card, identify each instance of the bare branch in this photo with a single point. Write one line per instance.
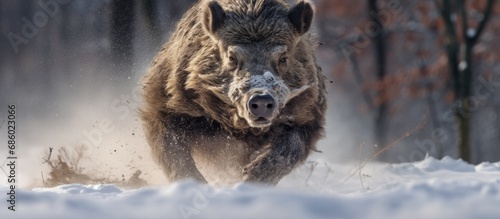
(445, 10)
(452, 45)
(462, 7)
(482, 24)
(43, 180)
(47, 160)
(360, 163)
(327, 173)
(313, 166)
(420, 125)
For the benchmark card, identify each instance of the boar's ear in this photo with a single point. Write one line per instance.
(213, 17)
(301, 17)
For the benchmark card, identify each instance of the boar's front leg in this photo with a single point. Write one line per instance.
(179, 163)
(171, 147)
(278, 158)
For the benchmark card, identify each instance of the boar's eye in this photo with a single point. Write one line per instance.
(234, 56)
(233, 62)
(283, 63)
(283, 59)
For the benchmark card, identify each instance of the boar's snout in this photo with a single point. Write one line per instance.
(262, 106)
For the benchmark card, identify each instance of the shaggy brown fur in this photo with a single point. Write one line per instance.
(196, 113)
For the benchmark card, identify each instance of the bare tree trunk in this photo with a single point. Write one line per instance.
(496, 107)
(360, 79)
(151, 14)
(461, 71)
(424, 71)
(122, 33)
(380, 63)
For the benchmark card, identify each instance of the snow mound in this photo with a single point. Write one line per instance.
(431, 188)
(488, 167)
(447, 164)
(81, 189)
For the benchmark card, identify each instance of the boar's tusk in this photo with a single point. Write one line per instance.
(296, 92)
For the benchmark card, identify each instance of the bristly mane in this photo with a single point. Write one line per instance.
(250, 21)
(251, 7)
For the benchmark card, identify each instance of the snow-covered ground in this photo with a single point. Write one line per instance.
(431, 188)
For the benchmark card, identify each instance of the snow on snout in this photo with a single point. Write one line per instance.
(270, 84)
(265, 81)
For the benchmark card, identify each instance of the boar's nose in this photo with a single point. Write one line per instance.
(262, 106)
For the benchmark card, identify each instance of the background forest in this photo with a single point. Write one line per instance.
(406, 78)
